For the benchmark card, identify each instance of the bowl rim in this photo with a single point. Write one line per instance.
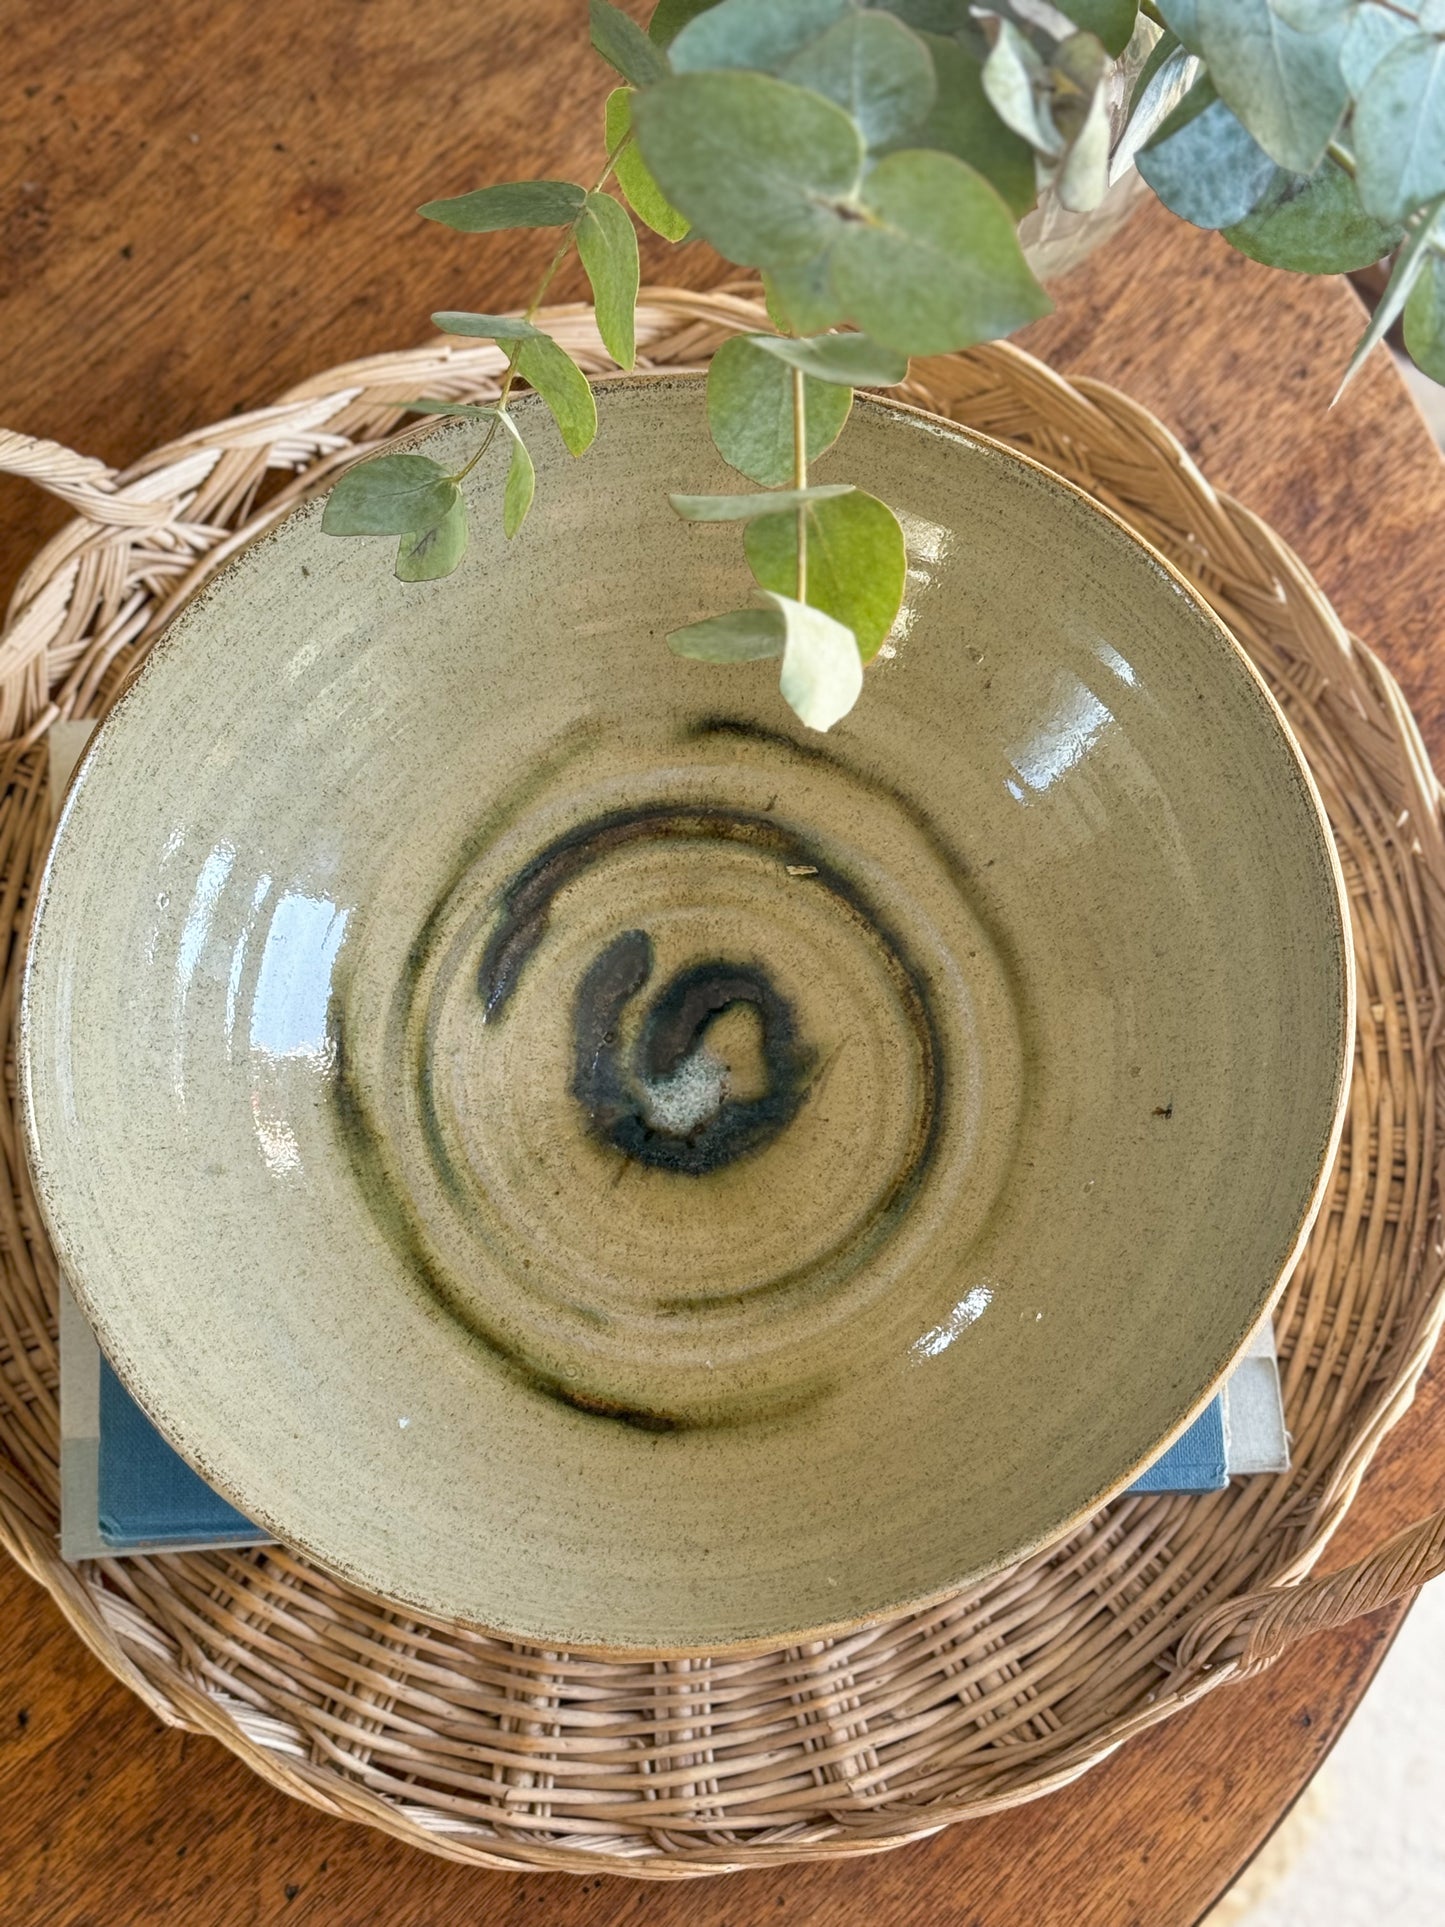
(944, 430)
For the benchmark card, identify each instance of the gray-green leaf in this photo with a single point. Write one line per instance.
(1204, 164)
(822, 670)
(1016, 82)
(750, 412)
(669, 17)
(851, 359)
(1081, 115)
(1370, 34)
(1425, 319)
(963, 123)
(759, 34)
(936, 265)
(511, 204)
(607, 244)
(758, 165)
(1111, 21)
(1399, 129)
(1314, 225)
(746, 635)
(1427, 233)
(563, 386)
(389, 495)
(623, 45)
(1286, 86)
(1182, 18)
(802, 297)
(436, 551)
(857, 562)
(521, 484)
(876, 71)
(489, 327)
(634, 177)
(743, 508)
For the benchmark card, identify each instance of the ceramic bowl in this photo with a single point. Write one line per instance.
(576, 1153)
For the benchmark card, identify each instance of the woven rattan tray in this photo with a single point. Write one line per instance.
(504, 1755)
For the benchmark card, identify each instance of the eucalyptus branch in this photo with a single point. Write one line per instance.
(800, 475)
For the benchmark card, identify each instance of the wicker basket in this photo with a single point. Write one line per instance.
(505, 1755)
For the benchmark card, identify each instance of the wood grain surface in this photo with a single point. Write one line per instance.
(200, 206)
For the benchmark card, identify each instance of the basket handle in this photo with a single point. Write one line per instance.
(1257, 1627)
(86, 484)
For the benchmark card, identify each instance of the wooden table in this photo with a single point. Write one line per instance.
(201, 206)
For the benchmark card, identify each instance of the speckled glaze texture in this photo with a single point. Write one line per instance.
(577, 1153)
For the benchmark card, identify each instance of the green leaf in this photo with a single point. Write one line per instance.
(857, 562)
(750, 412)
(1157, 93)
(490, 327)
(759, 34)
(1284, 85)
(1399, 129)
(1016, 82)
(1111, 21)
(758, 166)
(747, 635)
(472, 411)
(932, 16)
(822, 670)
(623, 45)
(936, 265)
(1312, 16)
(1369, 36)
(851, 359)
(436, 551)
(512, 204)
(1203, 164)
(1428, 232)
(563, 386)
(1081, 115)
(1314, 224)
(1425, 319)
(634, 177)
(389, 495)
(802, 298)
(743, 508)
(607, 244)
(963, 123)
(669, 17)
(875, 70)
(521, 483)
(1182, 18)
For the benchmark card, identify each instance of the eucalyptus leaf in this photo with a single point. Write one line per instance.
(857, 562)
(563, 386)
(669, 17)
(434, 552)
(1425, 319)
(634, 177)
(1110, 21)
(1399, 129)
(1204, 164)
(963, 123)
(822, 670)
(743, 508)
(1432, 16)
(801, 298)
(1181, 17)
(750, 411)
(389, 495)
(936, 265)
(623, 44)
(1162, 86)
(472, 411)
(951, 17)
(760, 167)
(1081, 115)
(874, 69)
(1312, 16)
(1016, 82)
(489, 327)
(1314, 224)
(851, 359)
(520, 486)
(746, 635)
(1285, 86)
(512, 204)
(1369, 36)
(607, 243)
(762, 35)
(1427, 233)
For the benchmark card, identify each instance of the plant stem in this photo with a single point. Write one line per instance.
(800, 475)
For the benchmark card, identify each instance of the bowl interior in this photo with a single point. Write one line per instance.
(576, 1152)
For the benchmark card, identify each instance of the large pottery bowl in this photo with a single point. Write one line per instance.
(577, 1153)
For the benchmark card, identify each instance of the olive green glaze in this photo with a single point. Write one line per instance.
(577, 1153)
